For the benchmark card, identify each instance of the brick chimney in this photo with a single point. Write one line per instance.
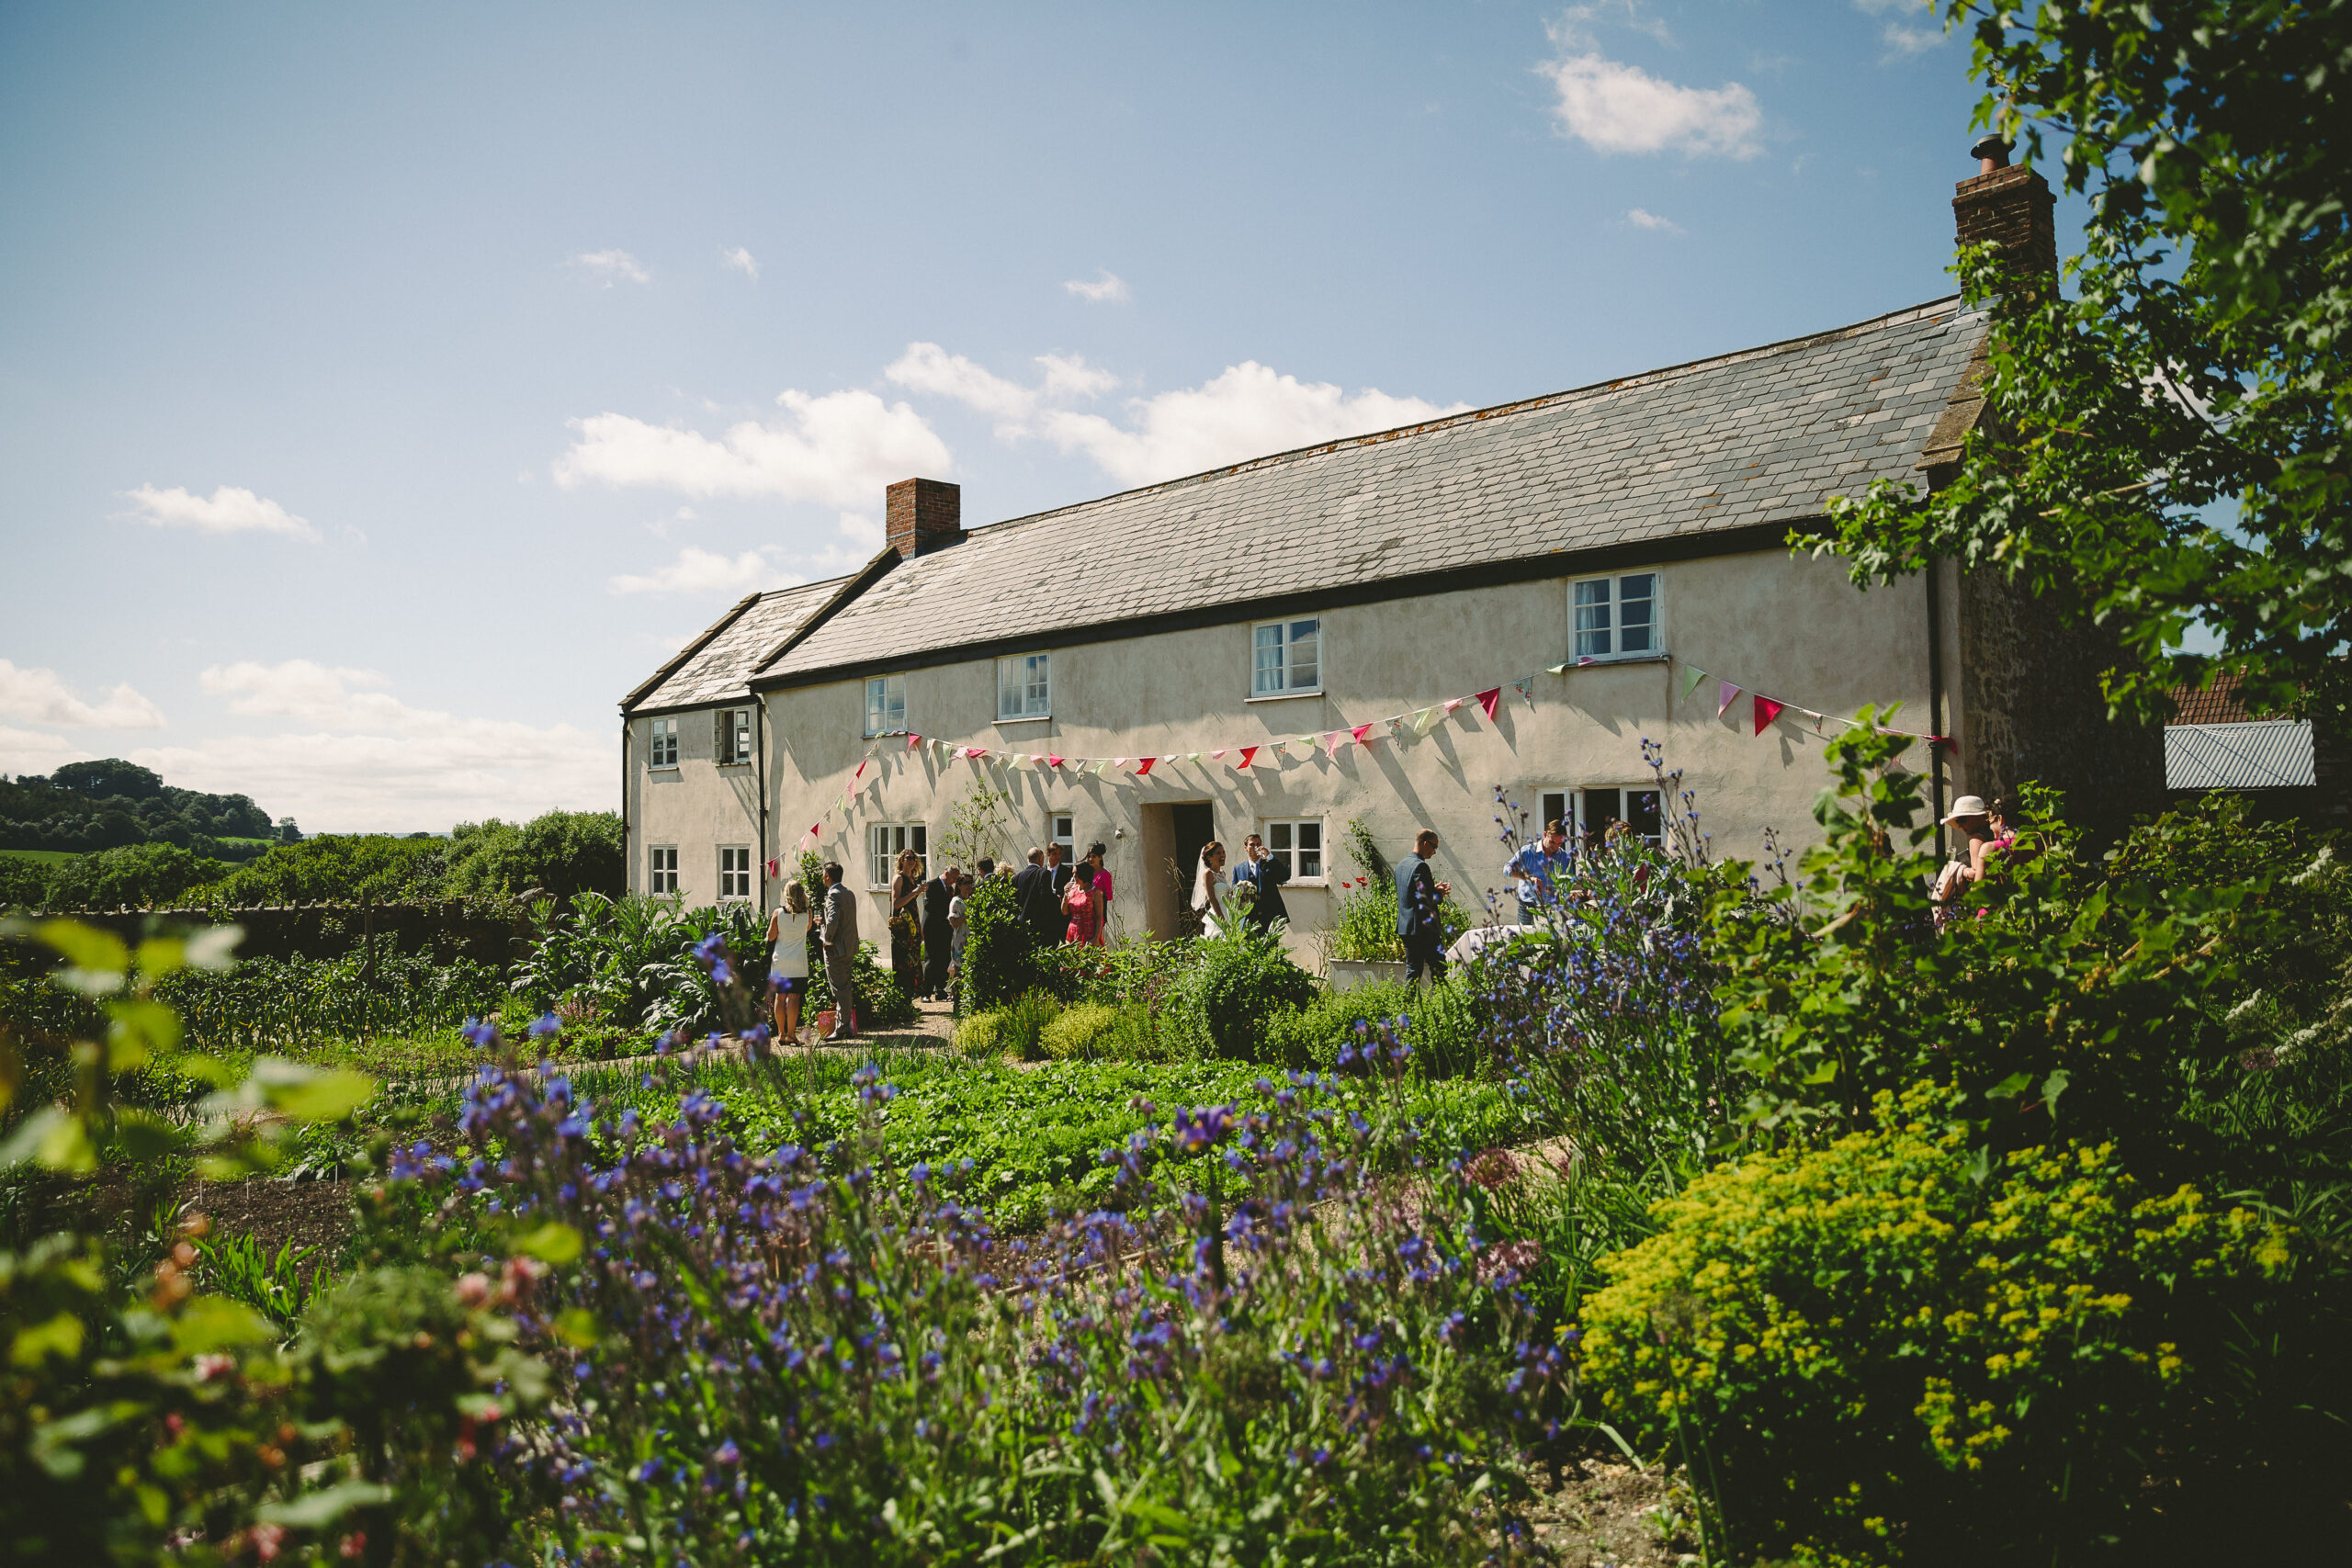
(2010, 206)
(921, 516)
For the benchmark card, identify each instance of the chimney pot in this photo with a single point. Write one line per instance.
(1991, 153)
(922, 516)
(2010, 208)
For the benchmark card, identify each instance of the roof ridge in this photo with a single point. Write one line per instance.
(1492, 411)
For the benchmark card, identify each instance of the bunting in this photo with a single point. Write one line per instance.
(1487, 699)
(1691, 676)
(1766, 710)
(1725, 696)
(1358, 732)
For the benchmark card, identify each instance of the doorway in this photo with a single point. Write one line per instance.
(1172, 836)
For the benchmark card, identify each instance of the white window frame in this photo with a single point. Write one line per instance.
(1288, 683)
(661, 743)
(730, 738)
(886, 705)
(883, 843)
(1586, 827)
(1283, 835)
(735, 872)
(661, 871)
(1606, 640)
(1065, 834)
(1032, 694)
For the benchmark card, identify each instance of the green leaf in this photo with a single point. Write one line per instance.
(60, 1336)
(577, 1328)
(2051, 1088)
(2011, 1087)
(159, 956)
(140, 1032)
(318, 1510)
(86, 947)
(212, 1322)
(52, 1137)
(554, 1242)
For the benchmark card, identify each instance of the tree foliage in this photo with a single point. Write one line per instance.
(2200, 364)
(110, 802)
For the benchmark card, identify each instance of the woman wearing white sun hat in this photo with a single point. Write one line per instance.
(1974, 819)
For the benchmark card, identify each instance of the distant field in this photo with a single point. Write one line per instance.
(46, 857)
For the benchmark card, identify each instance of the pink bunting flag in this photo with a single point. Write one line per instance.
(1360, 731)
(1724, 697)
(1766, 710)
(1118, 762)
(1247, 752)
(973, 752)
(913, 742)
(1052, 760)
(775, 869)
(1331, 742)
(1143, 765)
(1453, 702)
(1488, 698)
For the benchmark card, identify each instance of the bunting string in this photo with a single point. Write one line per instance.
(1413, 724)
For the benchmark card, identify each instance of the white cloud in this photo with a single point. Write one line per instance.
(1907, 41)
(1071, 377)
(1617, 108)
(1641, 219)
(1246, 411)
(612, 266)
(370, 761)
(38, 696)
(227, 510)
(1108, 290)
(31, 751)
(840, 449)
(859, 529)
(927, 368)
(700, 571)
(742, 261)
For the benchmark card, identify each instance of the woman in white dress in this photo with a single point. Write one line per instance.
(1209, 888)
(788, 967)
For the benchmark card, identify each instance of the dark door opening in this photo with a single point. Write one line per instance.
(1172, 837)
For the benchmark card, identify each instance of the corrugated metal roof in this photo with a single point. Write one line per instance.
(2270, 753)
(719, 669)
(1762, 437)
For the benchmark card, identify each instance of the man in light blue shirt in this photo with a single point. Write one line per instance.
(1534, 868)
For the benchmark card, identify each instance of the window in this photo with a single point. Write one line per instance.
(1298, 846)
(1022, 687)
(1063, 836)
(886, 705)
(665, 742)
(1554, 810)
(885, 841)
(663, 877)
(1285, 658)
(1616, 616)
(731, 738)
(1637, 809)
(735, 871)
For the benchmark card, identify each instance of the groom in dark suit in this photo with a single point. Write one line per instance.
(1265, 876)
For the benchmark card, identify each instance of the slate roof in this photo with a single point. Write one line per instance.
(2271, 753)
(717, 665)
(1761, 436)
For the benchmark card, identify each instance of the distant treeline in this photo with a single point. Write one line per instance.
(561, 853)
(110, 803)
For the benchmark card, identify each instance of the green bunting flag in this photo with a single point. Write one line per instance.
(1691, 676)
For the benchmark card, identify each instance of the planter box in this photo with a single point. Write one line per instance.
(1347, 974)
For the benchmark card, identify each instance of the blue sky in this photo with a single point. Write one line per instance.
(383, 394)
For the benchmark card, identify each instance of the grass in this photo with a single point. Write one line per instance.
(42, 857)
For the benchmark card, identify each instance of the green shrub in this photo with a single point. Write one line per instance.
(881, 1003)
(1241, 981)
(999, 947)
(978, 1037)
(1023, 1029)
(1893, 1341)
(1438, 1024)
(1134, 1035)
(1078, 1030)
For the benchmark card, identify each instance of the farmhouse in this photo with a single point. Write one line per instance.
(1270, 647)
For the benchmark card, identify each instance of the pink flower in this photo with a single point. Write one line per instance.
(473, 1290)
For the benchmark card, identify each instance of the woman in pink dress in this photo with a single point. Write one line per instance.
(1083, 907)
(1094, 853)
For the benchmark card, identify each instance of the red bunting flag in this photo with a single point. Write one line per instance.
(1247, 752)
(775, 869)
(913, 742)
(975, 752)
(861, 771)
(1488, 698)
(1143, 765)
(1360, 731)
(1052, 760)
(1766, 710)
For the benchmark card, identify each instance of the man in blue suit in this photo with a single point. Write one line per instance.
(1419, 896)
(1264, 875)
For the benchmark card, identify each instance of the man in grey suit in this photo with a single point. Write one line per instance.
(837, 931)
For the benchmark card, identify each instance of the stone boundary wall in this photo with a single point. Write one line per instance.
(486, 933)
